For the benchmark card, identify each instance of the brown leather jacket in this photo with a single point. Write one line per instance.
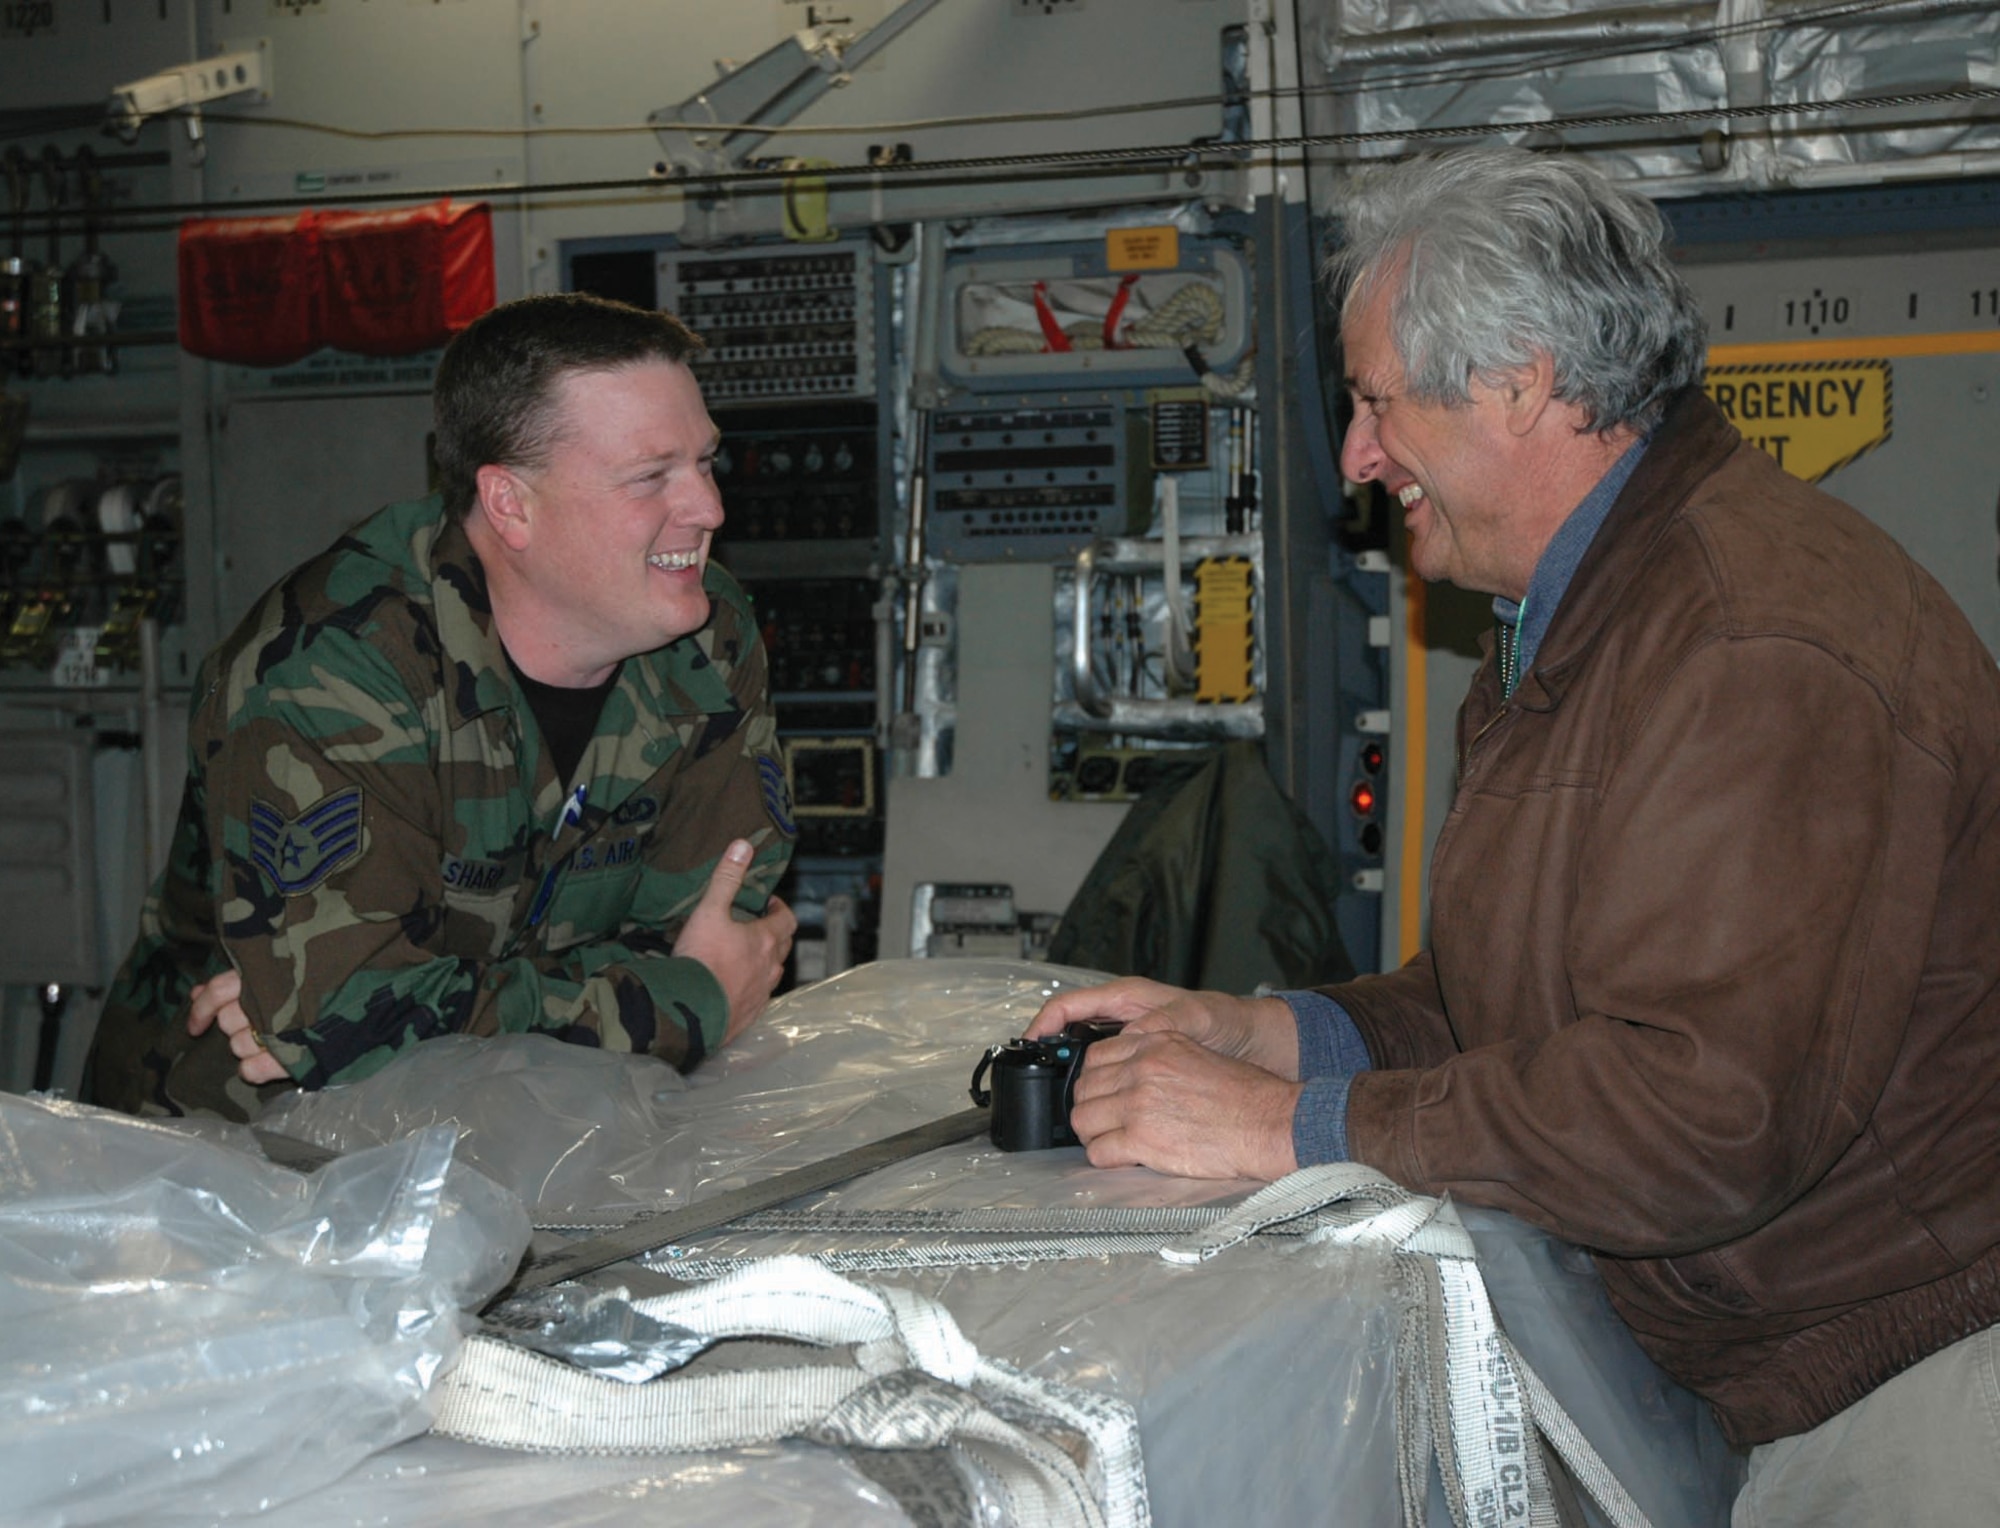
(1714, 977)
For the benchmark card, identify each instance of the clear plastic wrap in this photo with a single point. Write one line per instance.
(585, 1135)
(598, 1330)
(194, 1332)
(1659, 1440)
(438, 1483)
(1262, 1380)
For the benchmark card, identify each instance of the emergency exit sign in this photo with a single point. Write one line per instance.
(1811, 417)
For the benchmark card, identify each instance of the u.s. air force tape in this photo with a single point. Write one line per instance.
(297, 853)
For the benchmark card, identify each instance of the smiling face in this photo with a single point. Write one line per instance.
(1454, 469)
(615, 525)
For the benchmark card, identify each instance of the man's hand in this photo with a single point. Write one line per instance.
(219, 1000)
(1160, 1100)
(746, 955)
(1259, 1030)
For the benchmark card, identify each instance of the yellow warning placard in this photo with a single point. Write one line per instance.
(1811, 416)
(1224, 641)
(1143, 249)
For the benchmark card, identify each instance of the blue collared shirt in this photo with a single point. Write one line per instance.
(1561, 557)
(1331, 1049)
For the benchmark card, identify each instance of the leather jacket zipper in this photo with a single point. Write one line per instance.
(1465, 756)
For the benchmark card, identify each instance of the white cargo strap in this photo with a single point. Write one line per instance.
(915, 1382)
(970, 1237)
(1309, 1191)
(1488, 1426)
(1464, 1395)
(1018, 1251)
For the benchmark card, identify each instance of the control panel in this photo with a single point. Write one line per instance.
(819, 634)
(820, 638)
(1030, 478)
(797, 472)
(779, 323)
(1087, 766)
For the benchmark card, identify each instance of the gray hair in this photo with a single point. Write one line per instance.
(1496, 254)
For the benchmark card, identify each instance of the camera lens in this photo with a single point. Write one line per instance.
(1028, 1112)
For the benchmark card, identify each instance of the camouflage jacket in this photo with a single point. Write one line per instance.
(374, 835)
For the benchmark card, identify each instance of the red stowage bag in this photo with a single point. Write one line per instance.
(250, 288)
(408, 280)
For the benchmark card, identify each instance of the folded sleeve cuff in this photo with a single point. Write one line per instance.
(1330, 1043)
(687, 993)
(1319, 1128)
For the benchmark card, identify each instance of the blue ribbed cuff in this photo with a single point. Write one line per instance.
(1331, 1051)
(1319, 1128)
(1329, 1043)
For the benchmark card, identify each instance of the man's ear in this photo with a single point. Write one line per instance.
(506, 504)
(1527, 393)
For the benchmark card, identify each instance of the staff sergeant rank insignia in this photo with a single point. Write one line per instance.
(297, 853)
(777, 794)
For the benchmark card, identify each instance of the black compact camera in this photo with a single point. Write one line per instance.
(1033, 1083)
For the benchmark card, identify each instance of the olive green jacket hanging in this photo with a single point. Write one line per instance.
(1214, 880)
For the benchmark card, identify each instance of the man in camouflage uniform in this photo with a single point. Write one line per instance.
(378, 844)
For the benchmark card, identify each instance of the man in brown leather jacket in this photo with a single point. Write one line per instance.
(1713, 982)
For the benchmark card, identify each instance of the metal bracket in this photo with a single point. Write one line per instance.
(1152, 718)
(245, 71)
(717, 129)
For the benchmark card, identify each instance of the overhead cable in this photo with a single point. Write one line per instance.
(1383, 79)
(1051, 163)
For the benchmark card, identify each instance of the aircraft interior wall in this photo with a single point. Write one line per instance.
(966, 409)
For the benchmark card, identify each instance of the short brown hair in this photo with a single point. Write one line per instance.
(493, 400)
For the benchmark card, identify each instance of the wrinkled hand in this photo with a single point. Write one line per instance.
(1259, 1030)
(1160, 1099)
(219, 1000)
(746, 955)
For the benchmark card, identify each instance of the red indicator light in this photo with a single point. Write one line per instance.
(1362, 798)
(1371, 758)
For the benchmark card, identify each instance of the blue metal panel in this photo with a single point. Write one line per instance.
(1850, 212)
